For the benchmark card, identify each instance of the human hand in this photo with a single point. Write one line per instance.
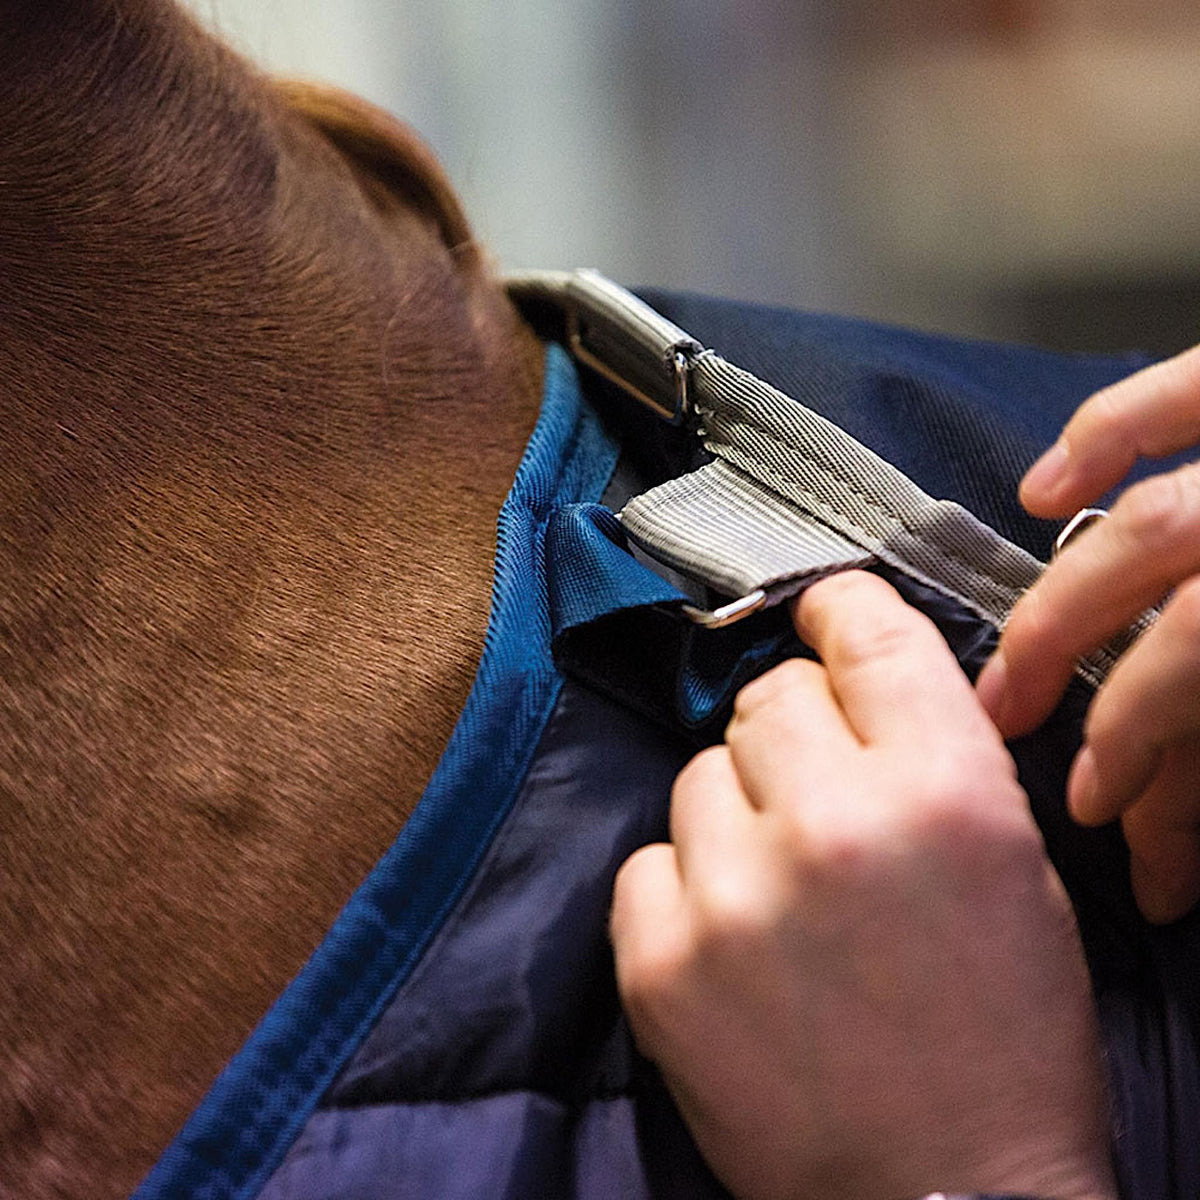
(854, 965)
(1140, 759)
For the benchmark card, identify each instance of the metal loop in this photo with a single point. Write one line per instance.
(727, 614)
(1083, 519)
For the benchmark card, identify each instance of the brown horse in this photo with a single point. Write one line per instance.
(261, 402)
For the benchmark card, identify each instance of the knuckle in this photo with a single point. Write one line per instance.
(1105, 727)
(838, 854)
(648, 986)
(900, 641)
(836, 845)
(1160, 510)
(1183, 612)
(941, 780)
(652, 973)
(731, 918)
(981, 819)
(1104, 409)
(710, 765)
(946, 823)
(1032, 626)
(777, 686)
(649, 976)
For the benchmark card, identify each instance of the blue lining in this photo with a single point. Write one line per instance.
(259, 1103)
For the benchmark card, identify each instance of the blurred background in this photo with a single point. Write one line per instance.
(1021, 169)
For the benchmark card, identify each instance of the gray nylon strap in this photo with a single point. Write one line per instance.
(737, 535)
(790, 497)
(830, 481)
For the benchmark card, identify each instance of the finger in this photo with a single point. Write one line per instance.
(1163, 833)
(712, 819)
(1153, 413)
(788, 733)
(1102, 581)
(648, 919)
(889, 667)
(1150, 702)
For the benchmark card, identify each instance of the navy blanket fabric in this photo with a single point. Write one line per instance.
(458, 1034)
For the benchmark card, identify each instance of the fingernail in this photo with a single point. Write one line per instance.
(1047, 474)
(1082, 787)
(991, 684)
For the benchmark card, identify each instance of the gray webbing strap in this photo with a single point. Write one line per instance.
(789, 496)
(739, 536)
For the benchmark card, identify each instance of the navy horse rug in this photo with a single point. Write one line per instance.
(458, 1032)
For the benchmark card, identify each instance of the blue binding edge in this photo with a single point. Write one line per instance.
(260, 1102)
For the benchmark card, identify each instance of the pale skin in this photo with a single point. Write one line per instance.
(1140, 760)
(855, 934)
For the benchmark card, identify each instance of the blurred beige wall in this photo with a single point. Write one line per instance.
(664, 143)
(1017, 168)
(1045, 151)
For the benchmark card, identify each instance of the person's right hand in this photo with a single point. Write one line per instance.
(1140, 759)
(853, 964)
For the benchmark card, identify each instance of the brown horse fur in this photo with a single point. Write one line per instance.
(260, 404)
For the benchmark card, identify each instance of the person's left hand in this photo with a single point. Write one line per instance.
(1140, 759)
(854, 964)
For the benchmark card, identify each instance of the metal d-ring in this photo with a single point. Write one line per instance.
(1085, 518)
(727, 614)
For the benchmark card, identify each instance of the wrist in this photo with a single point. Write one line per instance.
(1064, 1160)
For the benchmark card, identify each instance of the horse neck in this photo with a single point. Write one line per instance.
(253, 462)
(232, 662)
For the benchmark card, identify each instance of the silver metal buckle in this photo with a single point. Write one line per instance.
(630, 344)
(618, 336)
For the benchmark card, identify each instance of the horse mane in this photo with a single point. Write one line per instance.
(261, 398)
